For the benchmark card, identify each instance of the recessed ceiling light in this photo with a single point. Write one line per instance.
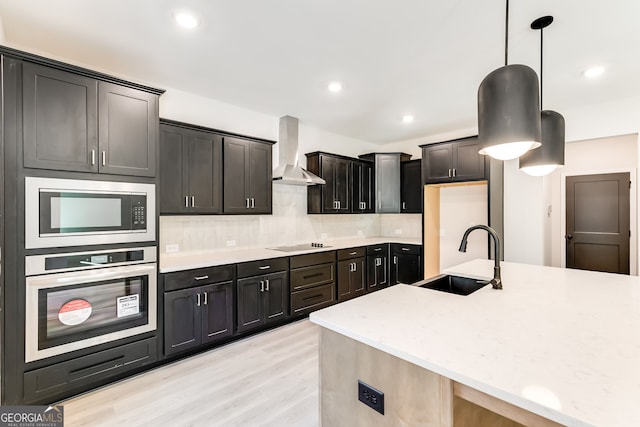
(185, 20)
(335, 87)
(593, 72)
(407, 118)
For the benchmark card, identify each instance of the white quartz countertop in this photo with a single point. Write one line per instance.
(188, 260)
(562, 343)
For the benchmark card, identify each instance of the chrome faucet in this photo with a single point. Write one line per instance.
(496, 282)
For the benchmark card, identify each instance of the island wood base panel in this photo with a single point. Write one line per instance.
(413, 396)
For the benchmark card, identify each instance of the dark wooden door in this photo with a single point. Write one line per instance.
(598, 224)
(328, 166)
(411, 187)
(387, 183)
(362, 193)
(468, 165)
(344, 273)
(342, 187)
(276, 296)
(60, 118)
(250, 310)
(217, 311)
(128, 130)
(437, 163)
(236, 185)
(377, 272)
(182, 324)
(260, 177)
(204, 172)
(358, 279)
(174, 178)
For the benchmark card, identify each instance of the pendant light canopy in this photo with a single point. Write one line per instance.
(508, 109)
(550, 155)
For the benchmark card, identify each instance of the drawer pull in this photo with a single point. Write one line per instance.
(201, 277)
(312, 297)
(95, 365)
(377, 249)
(353, 253)
(264, 267)
(312, 275)
(406, 249)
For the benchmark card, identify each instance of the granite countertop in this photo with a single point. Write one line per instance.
(562, 343)
(188, 260)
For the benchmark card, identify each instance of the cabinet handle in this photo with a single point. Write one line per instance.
(246, 203)
(311, 297)
(93, 157)
(253, 203)
(193, 201)
(201, 277)
(198, 303)
(264, 267)
(186, 201)
(406, 249)
(395, 259)
(267, 282)
(454, 172)
(353, 253)
(261, 285)
(378, 262)
(377, 249)
(205, 298)
(104, 158)
(312, 275)
(449, 173)
(404, 205)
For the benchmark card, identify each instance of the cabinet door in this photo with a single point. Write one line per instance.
(250, 308)
(411, 187)
(236, 185)
(362, 187)
(260, 177)
(406, 268)
(174, 180)
(342, 185)
(358, 280)
(128, 130)
(328, 167)
(467, 163)
(344, 277)
(377, 272)
(217, 311)
(437, 163)
(276, 296)
(204, 172)
(181, 320)
(60, 117)
(387, 183)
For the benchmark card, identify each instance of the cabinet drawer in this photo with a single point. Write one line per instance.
(197, 277)
(313, 299)
(406, 249)
(265, 266)
(378, 249)
(352, 253)
(302, 278)
(312, 259)
(66, 378)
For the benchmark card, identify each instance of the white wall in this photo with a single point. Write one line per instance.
(602, 155)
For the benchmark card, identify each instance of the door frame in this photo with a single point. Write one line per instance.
(633, 213)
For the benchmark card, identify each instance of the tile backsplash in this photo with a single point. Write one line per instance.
(289, 224)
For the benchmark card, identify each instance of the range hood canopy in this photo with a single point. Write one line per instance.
(288, 171)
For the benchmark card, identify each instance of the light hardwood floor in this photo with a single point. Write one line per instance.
(270, 379)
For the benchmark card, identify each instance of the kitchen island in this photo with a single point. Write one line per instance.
(555, 346)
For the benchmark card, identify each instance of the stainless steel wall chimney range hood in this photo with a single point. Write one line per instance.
(288, 171)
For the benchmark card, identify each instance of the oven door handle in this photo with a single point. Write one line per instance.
(87, 276)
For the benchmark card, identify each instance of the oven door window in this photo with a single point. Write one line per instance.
(72, 313)
(70, 212)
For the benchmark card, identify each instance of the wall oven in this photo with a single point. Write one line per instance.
(77, 300)
(71, 212)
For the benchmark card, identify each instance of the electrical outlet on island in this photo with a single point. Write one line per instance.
(174, 247)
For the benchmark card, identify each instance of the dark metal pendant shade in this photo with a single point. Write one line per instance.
(508, 112)
(551, 154)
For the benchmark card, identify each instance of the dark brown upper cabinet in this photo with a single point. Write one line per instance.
(73, 122)
(453, 161)
(387, 180)
(363, 188)
(411, 186)
(335, 195)
(190, 170)
(247, 176)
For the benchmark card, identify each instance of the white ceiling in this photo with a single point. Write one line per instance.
(394, 57)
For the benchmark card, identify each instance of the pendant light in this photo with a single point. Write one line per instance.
(508, 109)
(550, 155)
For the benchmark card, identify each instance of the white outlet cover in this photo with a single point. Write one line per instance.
(323, 235)
(231, 242)
(172, 248)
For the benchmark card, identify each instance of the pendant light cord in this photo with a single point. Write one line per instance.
(506, 36)
(541, 73)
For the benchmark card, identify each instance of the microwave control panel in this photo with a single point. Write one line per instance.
(138, 212)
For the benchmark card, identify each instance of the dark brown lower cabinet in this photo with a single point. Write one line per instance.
(313, 282)
(406, 263)
(197, 316)
(352, 275)
(377, 267)
(262, 300)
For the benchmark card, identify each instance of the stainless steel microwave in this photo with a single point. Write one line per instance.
(70, 212)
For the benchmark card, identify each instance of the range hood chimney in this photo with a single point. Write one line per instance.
(288, 171)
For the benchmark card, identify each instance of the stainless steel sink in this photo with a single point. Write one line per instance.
(454, 284)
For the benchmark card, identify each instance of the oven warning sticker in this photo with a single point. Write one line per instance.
(75, 312)
(128, 305)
